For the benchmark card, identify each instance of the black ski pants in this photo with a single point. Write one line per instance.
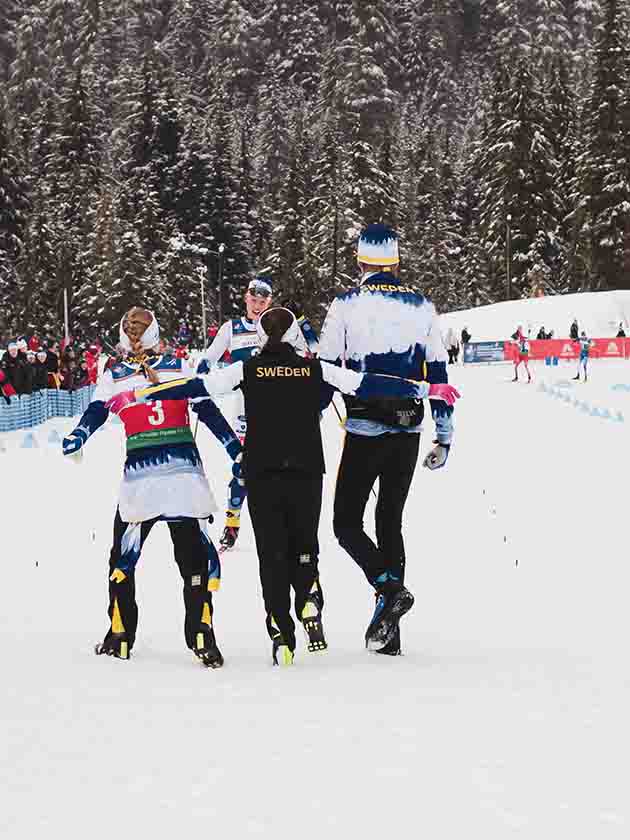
(196, 559)
(390, 458)
(284, 508)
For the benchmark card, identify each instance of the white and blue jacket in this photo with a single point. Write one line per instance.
(387, 327)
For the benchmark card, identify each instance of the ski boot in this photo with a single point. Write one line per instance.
(393, 600)
(230, 532)
(206, 649)
(228, 539)
(576, 378)
(114, 644)
(392, 648)
(281, 652)
(312, 622)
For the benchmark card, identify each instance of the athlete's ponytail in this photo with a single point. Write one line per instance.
(277, 326)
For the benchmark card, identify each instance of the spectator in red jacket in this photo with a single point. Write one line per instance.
(181, 352)
(33, 343)
(92, 355)
(6, 389)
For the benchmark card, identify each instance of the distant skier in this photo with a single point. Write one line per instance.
(163, 480)
(283, 461)
(585, 349)
(452, 345)
(574, 331)
(522, 354)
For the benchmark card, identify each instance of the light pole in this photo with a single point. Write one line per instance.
(180, 244)
(508, 243)
(202, 272)
(220, 283)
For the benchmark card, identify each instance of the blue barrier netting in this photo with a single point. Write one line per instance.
(31, 410)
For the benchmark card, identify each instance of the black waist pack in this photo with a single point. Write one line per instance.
(403, 414)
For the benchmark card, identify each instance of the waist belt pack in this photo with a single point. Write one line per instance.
(403, 414)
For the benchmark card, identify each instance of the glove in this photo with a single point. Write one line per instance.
(437, 457)
(203, 367)
(122, 401)
(74, 442)
(444, 392)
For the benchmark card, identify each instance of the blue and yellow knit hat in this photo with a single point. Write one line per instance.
(378, 245)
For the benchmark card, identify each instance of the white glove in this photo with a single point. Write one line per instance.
(437, 457)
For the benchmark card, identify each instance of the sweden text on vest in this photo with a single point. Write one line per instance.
(264, 372)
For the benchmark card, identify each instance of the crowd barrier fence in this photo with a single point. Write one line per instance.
(30, 410)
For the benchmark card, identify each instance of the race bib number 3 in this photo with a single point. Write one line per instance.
(161, 414)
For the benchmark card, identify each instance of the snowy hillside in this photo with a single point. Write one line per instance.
(599, 313)
(506, 717)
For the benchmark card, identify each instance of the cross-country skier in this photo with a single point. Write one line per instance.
(384, 326)
(283, 463)
(163, 480)
(239, 338)
(585, 349)
(522, 353)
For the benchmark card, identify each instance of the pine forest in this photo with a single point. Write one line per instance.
(141, 138)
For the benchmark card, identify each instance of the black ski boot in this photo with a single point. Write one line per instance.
(313, 627)
(392, 648)
(114, 644)
(281, 653)
(228, 538)
(392, 602)
(206, 649)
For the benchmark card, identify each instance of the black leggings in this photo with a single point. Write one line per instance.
(198, 565)
(284, 509)
(390, 458)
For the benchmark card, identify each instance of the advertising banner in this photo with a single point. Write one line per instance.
(561, 348)
(484, 351)
(565, 348)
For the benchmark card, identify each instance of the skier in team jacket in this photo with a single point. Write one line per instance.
(283, 461)
(239, 339)
(163, 480)
(384, 326)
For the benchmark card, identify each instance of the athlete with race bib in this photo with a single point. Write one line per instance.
(239, 338)
(163, 480)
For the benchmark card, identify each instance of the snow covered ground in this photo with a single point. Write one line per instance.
(506, 717)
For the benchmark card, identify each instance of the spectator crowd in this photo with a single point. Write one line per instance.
(30, 366)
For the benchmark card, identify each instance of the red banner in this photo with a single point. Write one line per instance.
(601, 348)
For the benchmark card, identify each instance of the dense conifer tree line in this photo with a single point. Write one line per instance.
(131, 128)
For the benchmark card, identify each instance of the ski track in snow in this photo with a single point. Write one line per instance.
(507, 716)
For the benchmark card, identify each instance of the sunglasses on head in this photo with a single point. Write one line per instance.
(259, 291)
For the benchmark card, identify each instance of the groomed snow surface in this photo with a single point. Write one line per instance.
(506, 717)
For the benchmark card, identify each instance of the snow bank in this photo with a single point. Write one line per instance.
(599, 313)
